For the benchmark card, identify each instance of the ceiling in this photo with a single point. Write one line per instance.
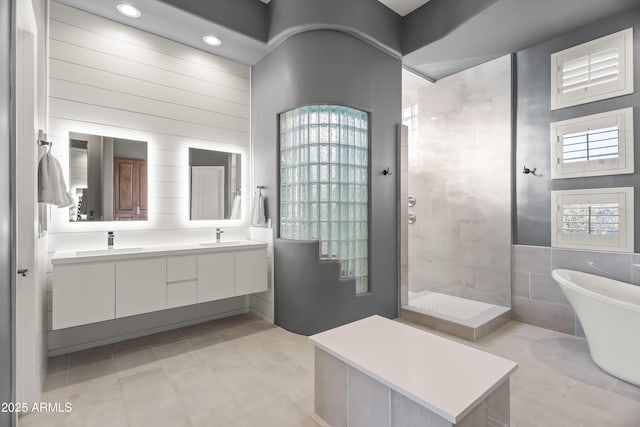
(401, 7)
(439, 38)
(505, 26)
(167, 21)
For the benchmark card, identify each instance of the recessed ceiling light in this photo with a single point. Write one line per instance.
(128, 10)
(434, 118)
(212, 40)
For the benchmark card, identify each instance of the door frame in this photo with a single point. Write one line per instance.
(7, 211)
(28, 309)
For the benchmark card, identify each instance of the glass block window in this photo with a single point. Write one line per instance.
(600, 144)
(600, 219)
(324, 190)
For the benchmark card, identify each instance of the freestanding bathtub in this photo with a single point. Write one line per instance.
(609, 312)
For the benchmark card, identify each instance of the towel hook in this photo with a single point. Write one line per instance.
(42, 140)
(260, 188)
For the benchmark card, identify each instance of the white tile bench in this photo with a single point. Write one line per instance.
(378, 372)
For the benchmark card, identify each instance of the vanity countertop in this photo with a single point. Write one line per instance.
(130, 252)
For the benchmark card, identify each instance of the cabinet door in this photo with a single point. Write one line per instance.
(83, 293)
(251, 271)
(216, 276)
(141, 286)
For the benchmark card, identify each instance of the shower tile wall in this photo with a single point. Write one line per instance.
(537, 298)
(459, 173)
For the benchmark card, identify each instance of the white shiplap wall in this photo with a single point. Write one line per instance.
(109, 79)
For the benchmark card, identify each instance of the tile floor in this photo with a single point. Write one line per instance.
(241, 371)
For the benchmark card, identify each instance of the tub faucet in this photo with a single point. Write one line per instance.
(218, 234)
(110, 237)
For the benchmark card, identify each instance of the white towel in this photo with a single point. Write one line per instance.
(51, 186)
(235, 210)
(258, 217)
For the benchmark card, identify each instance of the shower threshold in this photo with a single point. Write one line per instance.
(457, 316)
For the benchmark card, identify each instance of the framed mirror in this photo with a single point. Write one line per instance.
(215, 183)
(107, 178)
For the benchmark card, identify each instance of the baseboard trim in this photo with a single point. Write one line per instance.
(262, 315)
(145, 332)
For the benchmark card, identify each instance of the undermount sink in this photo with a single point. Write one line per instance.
(215, 244)
(108, 251)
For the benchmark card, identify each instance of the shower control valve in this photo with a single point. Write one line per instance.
(412, 218)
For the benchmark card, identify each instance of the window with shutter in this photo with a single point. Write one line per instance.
(600, 144)
(599, 69)
(598, 219)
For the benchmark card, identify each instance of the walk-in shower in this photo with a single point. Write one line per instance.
(458, 197)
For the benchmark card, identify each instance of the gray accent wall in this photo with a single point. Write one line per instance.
(330, 67)
(7, 217)
(534, 116)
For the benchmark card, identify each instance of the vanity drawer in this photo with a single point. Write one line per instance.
(181, 268)
(181, 293)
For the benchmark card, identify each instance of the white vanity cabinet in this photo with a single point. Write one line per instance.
(94, 286)
(251, 271)
(141, 286)
(181, 281)
(216, 276)
(83, 293)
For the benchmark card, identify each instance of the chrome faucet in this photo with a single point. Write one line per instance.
(218, 234)
(110, 237)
